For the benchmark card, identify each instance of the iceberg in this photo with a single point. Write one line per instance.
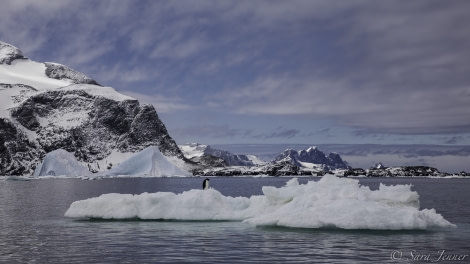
(59, 163)
(331, 202)
(148, 162)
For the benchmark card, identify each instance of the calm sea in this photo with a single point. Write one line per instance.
(34, 230)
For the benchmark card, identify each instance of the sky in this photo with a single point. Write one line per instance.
(264, 72)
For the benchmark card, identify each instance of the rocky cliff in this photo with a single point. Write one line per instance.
(312, 158)
(48, 106)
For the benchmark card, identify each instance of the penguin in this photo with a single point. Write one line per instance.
(205, 184)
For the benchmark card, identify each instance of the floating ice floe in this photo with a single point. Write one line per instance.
(330, 202)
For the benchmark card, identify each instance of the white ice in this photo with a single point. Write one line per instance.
(33, 74)
(59, 163)
(9, 98)
(191, 150)
(30, 73)
(329, 202)
(148, 162)
(103, 91)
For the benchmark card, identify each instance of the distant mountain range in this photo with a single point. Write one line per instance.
(446, 158)
(310, 161)
(313, 161)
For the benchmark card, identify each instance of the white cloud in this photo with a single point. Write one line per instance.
(415, 111)
(408, 72)
(395, 66)
(179, 49)
(161, 103)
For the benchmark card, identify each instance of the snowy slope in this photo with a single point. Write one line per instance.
(22, 78)
(312, 158)
(9, 53)
(196, 151)
(11, 95)
(192, 150)
(27, 76)
(30, 73)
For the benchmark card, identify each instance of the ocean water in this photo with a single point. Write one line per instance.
(33, 228)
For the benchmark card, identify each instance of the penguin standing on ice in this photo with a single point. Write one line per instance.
(205, 184)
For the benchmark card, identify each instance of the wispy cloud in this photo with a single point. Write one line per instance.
(394, 67)
(207, 131)
(161, 103)
(280, 132)
(410, 78)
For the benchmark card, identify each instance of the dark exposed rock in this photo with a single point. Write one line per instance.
(335, 161)
(282, 169)
(106, 125)
(229, 158)
(287, 163)
(80, 117)
(208, 161)
(59, 72)
(314, 156)
(403, 171)
(17, 154)
(355, 172)
(10, 53)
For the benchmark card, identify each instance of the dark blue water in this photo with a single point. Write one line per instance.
(34, 230)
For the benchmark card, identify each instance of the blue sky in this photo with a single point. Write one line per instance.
(313, 72)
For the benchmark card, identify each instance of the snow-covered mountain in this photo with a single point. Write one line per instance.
(312, 158)
(48, 106)
(309, 161)
(202, 153)
(9, 53)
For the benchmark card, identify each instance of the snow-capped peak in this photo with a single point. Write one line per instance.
(312, 148)
(311, 157)
(192, 150)
(195, 151)
(379, 166)
(9, 53)
(21, 78)
(59, 72)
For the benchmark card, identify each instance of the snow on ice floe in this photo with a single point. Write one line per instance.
(329, 202)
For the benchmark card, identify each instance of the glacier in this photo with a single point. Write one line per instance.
(331, 202)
